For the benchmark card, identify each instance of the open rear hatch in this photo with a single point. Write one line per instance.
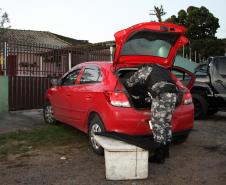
(147, 43)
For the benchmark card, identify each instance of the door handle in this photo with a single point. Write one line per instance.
(88, 97)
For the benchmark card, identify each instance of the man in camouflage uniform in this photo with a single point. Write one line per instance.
(158, 84)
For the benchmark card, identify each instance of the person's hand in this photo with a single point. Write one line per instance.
(148, 99)
(135, 97)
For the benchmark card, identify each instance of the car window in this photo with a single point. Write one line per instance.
(149, 43)
(91, 74)
(70, 78)
(182, 76)
(201, 70)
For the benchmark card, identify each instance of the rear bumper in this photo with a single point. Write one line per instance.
(135, 122)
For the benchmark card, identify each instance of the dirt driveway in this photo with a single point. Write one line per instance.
(20, 120)
(200, 160)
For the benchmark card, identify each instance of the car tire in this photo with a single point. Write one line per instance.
(96, 125)
(200, 106)
(48, 114)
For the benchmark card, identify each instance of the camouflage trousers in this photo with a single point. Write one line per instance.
(161, 116)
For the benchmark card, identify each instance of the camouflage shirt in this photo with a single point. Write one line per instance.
(141, 77)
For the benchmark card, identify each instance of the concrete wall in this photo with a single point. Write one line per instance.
(3, 94)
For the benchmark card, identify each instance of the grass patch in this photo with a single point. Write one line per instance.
(51, 135)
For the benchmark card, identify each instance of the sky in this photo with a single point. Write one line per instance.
(97, 20)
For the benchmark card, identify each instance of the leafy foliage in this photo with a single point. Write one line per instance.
(202, 26)
(4, 19)
(201, 23)
(209, 47)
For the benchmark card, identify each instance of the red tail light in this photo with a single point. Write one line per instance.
(118, 99)
(187, 99)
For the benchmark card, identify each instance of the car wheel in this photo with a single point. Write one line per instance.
(200, 106)
(48, 114)
(95, 125)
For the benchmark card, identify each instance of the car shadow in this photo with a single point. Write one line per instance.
(221, 116)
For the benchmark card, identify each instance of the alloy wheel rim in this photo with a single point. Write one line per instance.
(95, 128)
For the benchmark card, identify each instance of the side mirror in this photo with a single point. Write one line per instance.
(54, 82)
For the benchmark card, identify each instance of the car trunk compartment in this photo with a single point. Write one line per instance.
(133, 92)
(139, 103)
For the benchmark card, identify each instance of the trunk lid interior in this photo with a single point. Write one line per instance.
(147, 43)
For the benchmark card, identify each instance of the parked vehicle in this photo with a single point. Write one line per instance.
(209, 90)
(92, 96)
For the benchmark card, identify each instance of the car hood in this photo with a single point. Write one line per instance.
(150, 42)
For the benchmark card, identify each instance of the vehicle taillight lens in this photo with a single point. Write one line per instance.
(187, 99)
(118, 99)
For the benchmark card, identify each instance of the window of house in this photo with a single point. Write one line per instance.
(91, 74)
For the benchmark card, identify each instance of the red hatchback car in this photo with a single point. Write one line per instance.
(92, 96)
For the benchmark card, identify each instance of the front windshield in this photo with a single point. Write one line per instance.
(149, 43)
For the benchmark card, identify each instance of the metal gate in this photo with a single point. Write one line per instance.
(27, 92)
(30, 69)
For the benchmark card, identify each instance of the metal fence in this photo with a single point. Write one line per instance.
(31, 67)
(192, 55)
(39, 60)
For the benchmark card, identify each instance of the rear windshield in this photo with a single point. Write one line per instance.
(149, 43)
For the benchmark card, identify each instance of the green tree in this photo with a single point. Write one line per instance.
(201, 23)
(158, 12)
(202, 26)
(208, 47)
(4, 19)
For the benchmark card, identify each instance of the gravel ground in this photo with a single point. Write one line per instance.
(200, 160)
(21, 120)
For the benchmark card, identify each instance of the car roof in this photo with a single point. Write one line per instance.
(100, 63)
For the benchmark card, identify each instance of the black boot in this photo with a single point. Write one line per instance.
(159, 155)
(166, 148)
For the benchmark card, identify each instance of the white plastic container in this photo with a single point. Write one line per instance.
(123, 161)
